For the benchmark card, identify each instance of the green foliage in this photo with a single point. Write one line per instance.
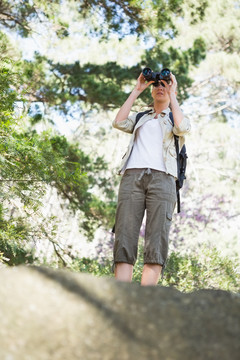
(14, 247)
(111, 16)
(187, 273)
(123, 17)
(8, 95)
(19, 15)
(14, 253)
(75, 179)
(163, 15)
(106, 86)
(116, 17)
(205, 270)
(92, 266)
(31, 161)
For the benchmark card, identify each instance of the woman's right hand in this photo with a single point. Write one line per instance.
(142, 83)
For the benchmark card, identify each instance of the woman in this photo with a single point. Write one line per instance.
(149, 170)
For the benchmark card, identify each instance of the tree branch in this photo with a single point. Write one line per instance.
(12, 18)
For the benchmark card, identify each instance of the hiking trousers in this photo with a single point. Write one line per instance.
(140, 190)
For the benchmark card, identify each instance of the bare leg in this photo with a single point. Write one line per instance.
(151, 274)
(123, 272)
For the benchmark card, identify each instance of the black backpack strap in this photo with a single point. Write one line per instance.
(140, 114)
(176, 141)
(178, 202)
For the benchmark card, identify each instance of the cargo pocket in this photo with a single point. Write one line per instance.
(169, 216)
(168, 223)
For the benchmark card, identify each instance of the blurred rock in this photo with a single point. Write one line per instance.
(58, 315)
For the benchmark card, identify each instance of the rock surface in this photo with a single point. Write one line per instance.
(58, 315)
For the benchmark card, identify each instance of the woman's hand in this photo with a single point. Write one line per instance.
(142, 83)
(172, 87)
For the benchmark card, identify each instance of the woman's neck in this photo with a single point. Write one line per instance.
(159, 107)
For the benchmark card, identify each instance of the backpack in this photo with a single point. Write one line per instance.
(181, 159)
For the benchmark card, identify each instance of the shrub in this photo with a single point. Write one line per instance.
(206, 270)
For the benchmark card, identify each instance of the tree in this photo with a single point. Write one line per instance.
(32, 160)
(104, 86)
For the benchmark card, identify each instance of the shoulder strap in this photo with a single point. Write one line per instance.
(176, 140)
(140, 114)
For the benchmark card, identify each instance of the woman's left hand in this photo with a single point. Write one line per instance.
(172, 87)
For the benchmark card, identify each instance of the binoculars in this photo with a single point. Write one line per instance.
(150, 75)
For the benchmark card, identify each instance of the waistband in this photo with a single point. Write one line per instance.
(140, 170)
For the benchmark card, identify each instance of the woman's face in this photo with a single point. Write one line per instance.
(159, 93)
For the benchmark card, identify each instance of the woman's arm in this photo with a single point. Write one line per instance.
(172, 93)
(124, 111)
(176, 110)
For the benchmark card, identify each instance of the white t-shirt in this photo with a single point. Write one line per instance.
(147, 149)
